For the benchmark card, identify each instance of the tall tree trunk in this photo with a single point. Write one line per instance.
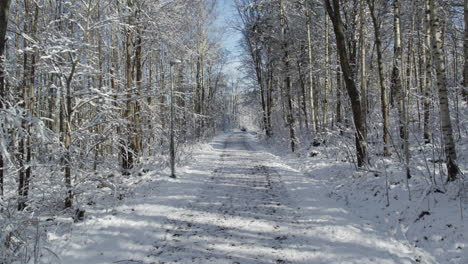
(446, 124)
(406, 95)
(428, 75)
(128, 149)
(4, 14)
(202, 99)
(68, 109)
(383, 90)
(327, 77)
(198, 92)
(362, 47)
(24, 105)
(257, 59)
(138, 130)
(270, 81)
(339, 115)
(397, 85)
(287, 80)
(353, 92)
(465, 51)
(313, 111)
(28, 107)
(303, 97)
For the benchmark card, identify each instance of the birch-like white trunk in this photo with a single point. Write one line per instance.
(311, 77)
(446, 124)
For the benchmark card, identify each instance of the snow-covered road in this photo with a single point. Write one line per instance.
(236, 204)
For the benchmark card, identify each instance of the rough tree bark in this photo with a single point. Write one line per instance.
(138, 129)
(383, 90)
(4, 13)
(339, 115)
(428, 75)
(287, 79)
(311, 81)
(128, 145)
(326, 87)
(303, 93)
(29, 64)
(67, 139)
(333, 9)
(465, 51)
(446, 124)
(362, 47)
(396, 82)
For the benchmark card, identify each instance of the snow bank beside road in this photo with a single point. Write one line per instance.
(431, 221)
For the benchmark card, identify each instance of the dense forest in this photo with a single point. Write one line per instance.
(89, 88)
(378, 84)
(95, 93)
(392, 73)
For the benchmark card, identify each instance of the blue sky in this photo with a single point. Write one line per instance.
(226, 14)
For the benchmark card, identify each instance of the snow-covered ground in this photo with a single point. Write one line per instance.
(237, 203)
(421, 214)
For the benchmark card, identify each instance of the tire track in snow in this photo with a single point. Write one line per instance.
(240, 210)
(247, 211)
(237, 204)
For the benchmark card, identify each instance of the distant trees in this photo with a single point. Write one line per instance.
(253, 31)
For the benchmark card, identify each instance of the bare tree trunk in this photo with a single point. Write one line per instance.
(383, 90)
(313, 111)
(257, 60)
(428, 75)
(339, 116)
(67, 130)
(68, 112)
(406, 96)
(397, 86)
(353, 92)
(28, 108)
(24, 105)
(4, 14)
(202, 99)
(447, 135)
(270, 81)
(100, 85)
(303, 97)
(128, 147)
(362, 46)
(327, 77)
(287, 80)
(198, 92)
(465, 51)
(138, 130)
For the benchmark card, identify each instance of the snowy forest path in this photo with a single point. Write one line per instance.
(237, 204)
(239, 215)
